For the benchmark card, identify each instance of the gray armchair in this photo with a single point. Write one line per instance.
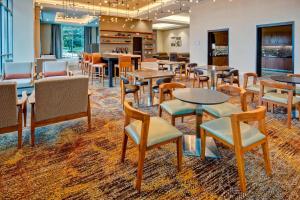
(59, 99)
(40, 62)
(21, 73)
(55, 69)
(11, 110)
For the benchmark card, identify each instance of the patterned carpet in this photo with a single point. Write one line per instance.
(69, 162)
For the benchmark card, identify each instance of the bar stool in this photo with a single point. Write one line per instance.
(124, 66)
(98, 67)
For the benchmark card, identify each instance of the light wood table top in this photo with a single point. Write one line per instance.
(117, 55)
(149, 74)
(214, 67)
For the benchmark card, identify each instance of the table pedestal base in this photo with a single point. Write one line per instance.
(192, 147)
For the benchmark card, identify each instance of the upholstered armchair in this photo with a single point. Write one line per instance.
(11, 110)
(21, 73)
(59, 99)
(148, 133)
(39, 64)
(55, 69)
(236, 133)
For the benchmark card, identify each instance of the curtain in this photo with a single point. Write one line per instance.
(87, 39)
(56, 43)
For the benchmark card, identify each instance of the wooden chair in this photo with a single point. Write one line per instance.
(227, 109)
(127, 88)
(287, 100)
(98, 67)
(12, 109)
(148, 133)
(59, 99)
(124, 66)
(200, 78)
(155, 88)
(174, 107)
(297, 90)
(85, 63)
(180, 69)
(190, 69)
(231, 77)
(239, 136)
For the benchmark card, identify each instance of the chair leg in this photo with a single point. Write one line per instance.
(159, 111)
(142, 153)
(289, 117)
(124, 146)
(241, 169)
(136, 98)
(203, 143)
(173, 120)
(32, 134)
(265, 148)
(179, 153)
(20, 133)
(25, 114)
(89, 115)
(182, 118)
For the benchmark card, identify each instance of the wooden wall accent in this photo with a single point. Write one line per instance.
(37, 32)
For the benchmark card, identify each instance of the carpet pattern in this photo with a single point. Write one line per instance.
(69, 162)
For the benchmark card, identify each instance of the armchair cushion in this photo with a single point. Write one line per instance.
(55, 73)
(222, 110)
(17, 76)
(280, 98)
(256, 88)
(222, 129)
(159, 131)
(177, 107)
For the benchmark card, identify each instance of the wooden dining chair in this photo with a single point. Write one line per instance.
(200, 78)
(297, 90)
(227, 109)
(239, 136)
(254, 87)
(286, 99)
(124, 66)
(148, 133)
(174, 107)
(127, 88)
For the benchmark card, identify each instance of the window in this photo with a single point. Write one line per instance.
(6, 32)
(73, 41)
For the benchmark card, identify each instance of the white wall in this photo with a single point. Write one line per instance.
(23, 20)
(164, 40)
(241, 17)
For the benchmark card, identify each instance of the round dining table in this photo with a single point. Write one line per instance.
(199, 96)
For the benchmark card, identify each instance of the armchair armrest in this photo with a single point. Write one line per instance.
(90, 92)
(21, 102)
(31, 98)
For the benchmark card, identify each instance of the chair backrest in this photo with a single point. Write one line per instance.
(164, 80)
(96, 58)
(247, 76)
(39, 64)
(8, 104)
(125, 61)
(294, 75)
(55, 68)
(173, 56)
(56, 97)
(85, 56)
(168, 87)
(257, 115)
(192, 65)
(13, 70)
(276, 85)
(132, 113)
(235, 91)
(48, 56)
(233, 72)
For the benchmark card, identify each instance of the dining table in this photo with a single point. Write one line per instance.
(113, 58)
(169, 63)
(286, 79)
(150, 75)
(200, 97)
(212, 71)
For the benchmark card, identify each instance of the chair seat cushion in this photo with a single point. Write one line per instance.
(131, 88)
(177, 107)
(198, 71)
(256, 88)
(222, 129)
(141, 82)
(55, 73)
(280, 98)
(159, 131)
(21, 83)
(222, 110)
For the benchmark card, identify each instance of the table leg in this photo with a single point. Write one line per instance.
(150, 93)
(213, 82)
(136, 63)
(110, 72)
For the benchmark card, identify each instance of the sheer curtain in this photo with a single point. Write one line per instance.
(87, 38)
(56, 43)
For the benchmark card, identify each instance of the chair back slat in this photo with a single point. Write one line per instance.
(168, 87)
(8, 104)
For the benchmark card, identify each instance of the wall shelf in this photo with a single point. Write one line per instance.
(116, 43)
(121, 37)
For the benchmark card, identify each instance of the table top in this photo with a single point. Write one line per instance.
(286, 79)
(117, 55)
(200, 96)
(148, 74)
(167, 62)
(214, 67)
